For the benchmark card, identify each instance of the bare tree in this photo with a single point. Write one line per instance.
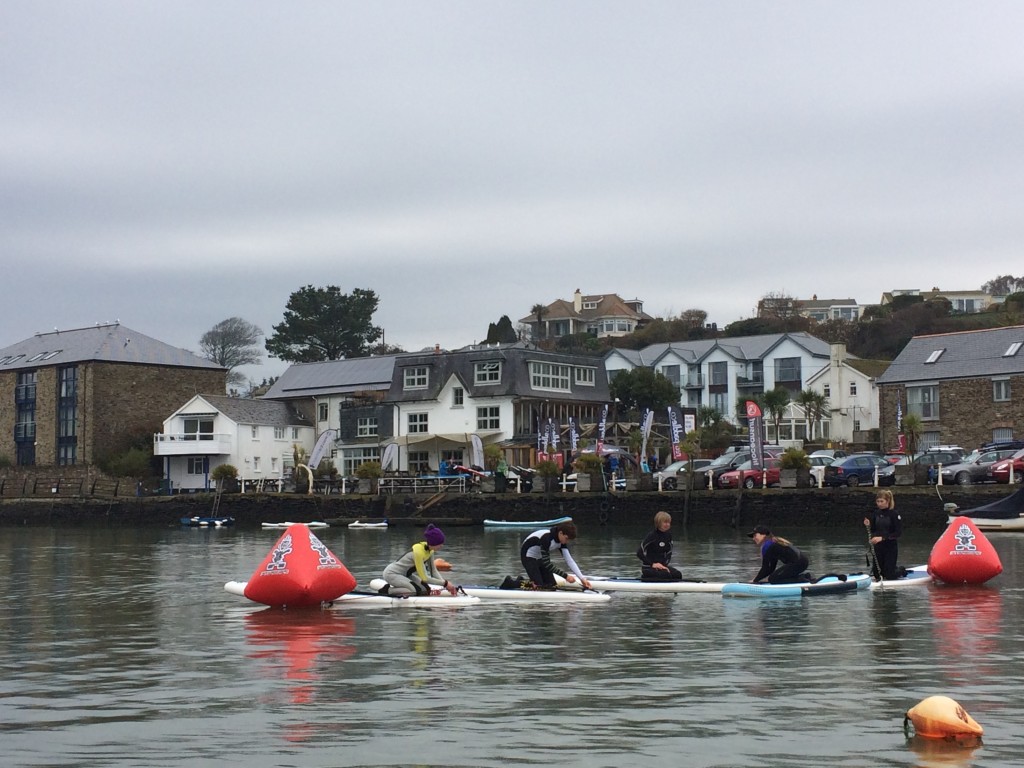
(232, 343)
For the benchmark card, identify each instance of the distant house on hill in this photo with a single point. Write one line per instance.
(72, 397)
(963, 302)
(600, 315)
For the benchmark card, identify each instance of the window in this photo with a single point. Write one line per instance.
(853, 388)
(255, 463)
(590, 305)
(67, 416)
(935, 355)
(196, 465)
(671, 372)
(488, 417)
(458, 397)
(787, 369)
(1002, 433)
(273, 465)
(353, 457)
(1012, 350)
(416, 378)
(255, 431)
(366, 426)
(928, 440)
(321, 412)
(279, 433)
(295, 433)
(419, 462)
(826, 390)
(198, 428)
(1001, 390)
(718, 373)
(549, 376)
(418, 423)
(719, 401)
(924, 401)
(487, 373)
(586, 376)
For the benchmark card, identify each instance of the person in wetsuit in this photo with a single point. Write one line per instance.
(776, 550)
(536, 556)
(884, 529)
(655, 551)
(415, 571)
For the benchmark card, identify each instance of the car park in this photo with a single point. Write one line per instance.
(1000, 471)
(975, 468)
(859, 469)
(748, 477)
(669, 476)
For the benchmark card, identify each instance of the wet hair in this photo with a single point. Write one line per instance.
(662, 517)
(569, 529)
(890, 502)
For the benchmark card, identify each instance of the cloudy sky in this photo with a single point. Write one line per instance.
(172, 164)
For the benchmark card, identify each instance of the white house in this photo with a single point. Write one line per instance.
(257, 437)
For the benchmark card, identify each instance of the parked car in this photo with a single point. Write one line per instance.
(730, 461)
(831, 453)
(1000, 471)
(975, 467)
(749, 477)
(669, 475)
(818, 464)
(999, 445)
(859, 469)
(932, 458)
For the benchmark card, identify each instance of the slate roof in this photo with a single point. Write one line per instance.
(264, 412)
(331, 377)
(110, 342)
(740, 348)
(966, 355)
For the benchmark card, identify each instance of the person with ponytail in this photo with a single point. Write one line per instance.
(884, 530)
(775, 550)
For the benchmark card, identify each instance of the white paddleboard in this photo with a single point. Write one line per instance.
(371, 526)
(616, 584)
(374, 600)
(282, 526)
(917, 576)
(525, 595)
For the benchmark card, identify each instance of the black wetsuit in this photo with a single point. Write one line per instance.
(657, 548)
(794, 563)
(535, 555)
(887, 524)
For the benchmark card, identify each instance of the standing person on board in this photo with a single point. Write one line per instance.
(536, 556)
(884, 529)
(656, 550)
(415, 571)
(775, 550)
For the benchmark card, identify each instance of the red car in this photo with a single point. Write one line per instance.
(1000, 471)
(750, 478)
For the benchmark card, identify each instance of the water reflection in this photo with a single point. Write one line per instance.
(967, 622)
(938, 753)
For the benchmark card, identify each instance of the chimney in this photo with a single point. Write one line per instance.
(577, 301)
(437, 349)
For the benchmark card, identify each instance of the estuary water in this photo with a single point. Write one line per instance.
(119, 647)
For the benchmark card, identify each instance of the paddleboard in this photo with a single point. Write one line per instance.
(371, 526)
(375, 600)
(534, 524)
(826, 586)
(282, 526)
(617, 584)
(525, 595)
(917, 576)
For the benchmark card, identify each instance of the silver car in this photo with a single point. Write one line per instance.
(975, 468)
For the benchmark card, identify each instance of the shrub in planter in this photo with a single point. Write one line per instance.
(795, 469)
(549, 473)
(226, 477)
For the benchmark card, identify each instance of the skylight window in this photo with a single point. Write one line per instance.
(1012, 349)
(935, 355)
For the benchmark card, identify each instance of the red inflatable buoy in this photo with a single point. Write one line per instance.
(299, 570)
(963, 555)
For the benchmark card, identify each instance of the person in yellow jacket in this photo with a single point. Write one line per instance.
(415, 571)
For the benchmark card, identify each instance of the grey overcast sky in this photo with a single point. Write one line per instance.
(172, 164)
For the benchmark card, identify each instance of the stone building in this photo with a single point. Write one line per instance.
(73, 397)
(966, 387)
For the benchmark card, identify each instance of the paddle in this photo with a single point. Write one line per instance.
(874, 558)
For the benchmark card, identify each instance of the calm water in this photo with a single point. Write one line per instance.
(120, 647)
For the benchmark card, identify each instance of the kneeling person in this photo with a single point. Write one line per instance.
(656, 550)
(536, 556)
(415, 571)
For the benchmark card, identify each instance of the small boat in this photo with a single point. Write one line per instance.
(207, 522)
(827, 585)
(372, 526)
(524, 595)
(916, 576)
(1006, 514)
(283, 526)
(618, 584)
(534, 524)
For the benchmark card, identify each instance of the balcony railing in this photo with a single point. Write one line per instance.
(192, 444)
(693, 381)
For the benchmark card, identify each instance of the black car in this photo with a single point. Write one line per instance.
(859, 469)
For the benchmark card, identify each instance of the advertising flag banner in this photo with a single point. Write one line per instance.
(676, 434)
(755, 430)
(553, 437)
(323, 442)
(540, 438)
(602, 425)
(574, 436)
(645, 431)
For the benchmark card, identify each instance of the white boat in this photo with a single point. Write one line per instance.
(524, 595)
(917, 576)
(371, 526)
(375, 600)
(533, 524)
(617, 584)
(282, 526)
(1006, 514)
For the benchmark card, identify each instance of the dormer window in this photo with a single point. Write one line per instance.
(487, 372)
(416, 378)
(935, 356)
(1012, 350)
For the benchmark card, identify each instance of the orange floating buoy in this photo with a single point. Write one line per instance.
(939, 717)
(442, 564)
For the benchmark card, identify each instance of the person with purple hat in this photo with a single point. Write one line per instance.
(415, 571)
(775, 550)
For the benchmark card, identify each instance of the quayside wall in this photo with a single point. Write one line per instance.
(920, 506)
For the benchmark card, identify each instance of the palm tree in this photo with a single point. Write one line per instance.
(814, 404)
(912, 426)
(538, 311)
(775, 403)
